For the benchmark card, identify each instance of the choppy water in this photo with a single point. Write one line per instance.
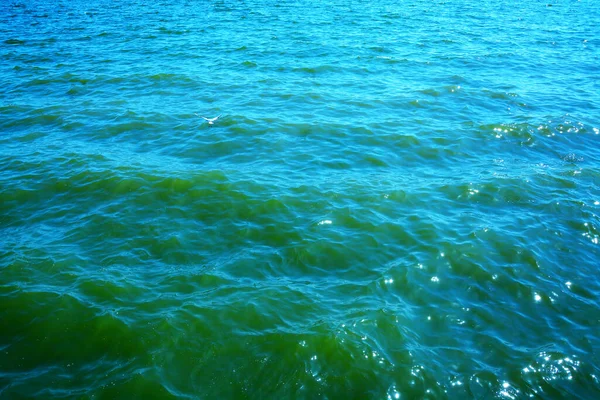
(400, 200)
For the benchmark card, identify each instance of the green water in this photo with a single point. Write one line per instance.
(399, 201)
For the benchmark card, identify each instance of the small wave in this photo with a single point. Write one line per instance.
(501, 95)
(116, 129)
(315, 70)
(572, 158)
(551, 373)
(431, 92)
(42, 117)
(170, 78)
(524, 133)
(167, 31)
(391, 60)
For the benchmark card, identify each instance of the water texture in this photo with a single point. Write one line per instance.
(400, 200)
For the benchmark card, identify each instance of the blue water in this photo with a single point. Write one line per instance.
(399, 200)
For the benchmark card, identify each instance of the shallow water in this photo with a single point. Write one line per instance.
(400, 199)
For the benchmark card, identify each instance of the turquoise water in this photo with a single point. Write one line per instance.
(399, 201)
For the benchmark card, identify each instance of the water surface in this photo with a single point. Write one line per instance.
(400, 200)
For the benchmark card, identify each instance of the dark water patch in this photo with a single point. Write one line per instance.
(501, 95)
(128, 127)
(169, 77)
(75, 91)
(430, 92)
(391, 60)
(30, 137)
(143, 383)
(14, 42)
(315, 70)
(40, 82)
(40, 330)
(39, 117)
(167, 31)
(378, 49)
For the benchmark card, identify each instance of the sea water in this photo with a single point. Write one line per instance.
(400, 199)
